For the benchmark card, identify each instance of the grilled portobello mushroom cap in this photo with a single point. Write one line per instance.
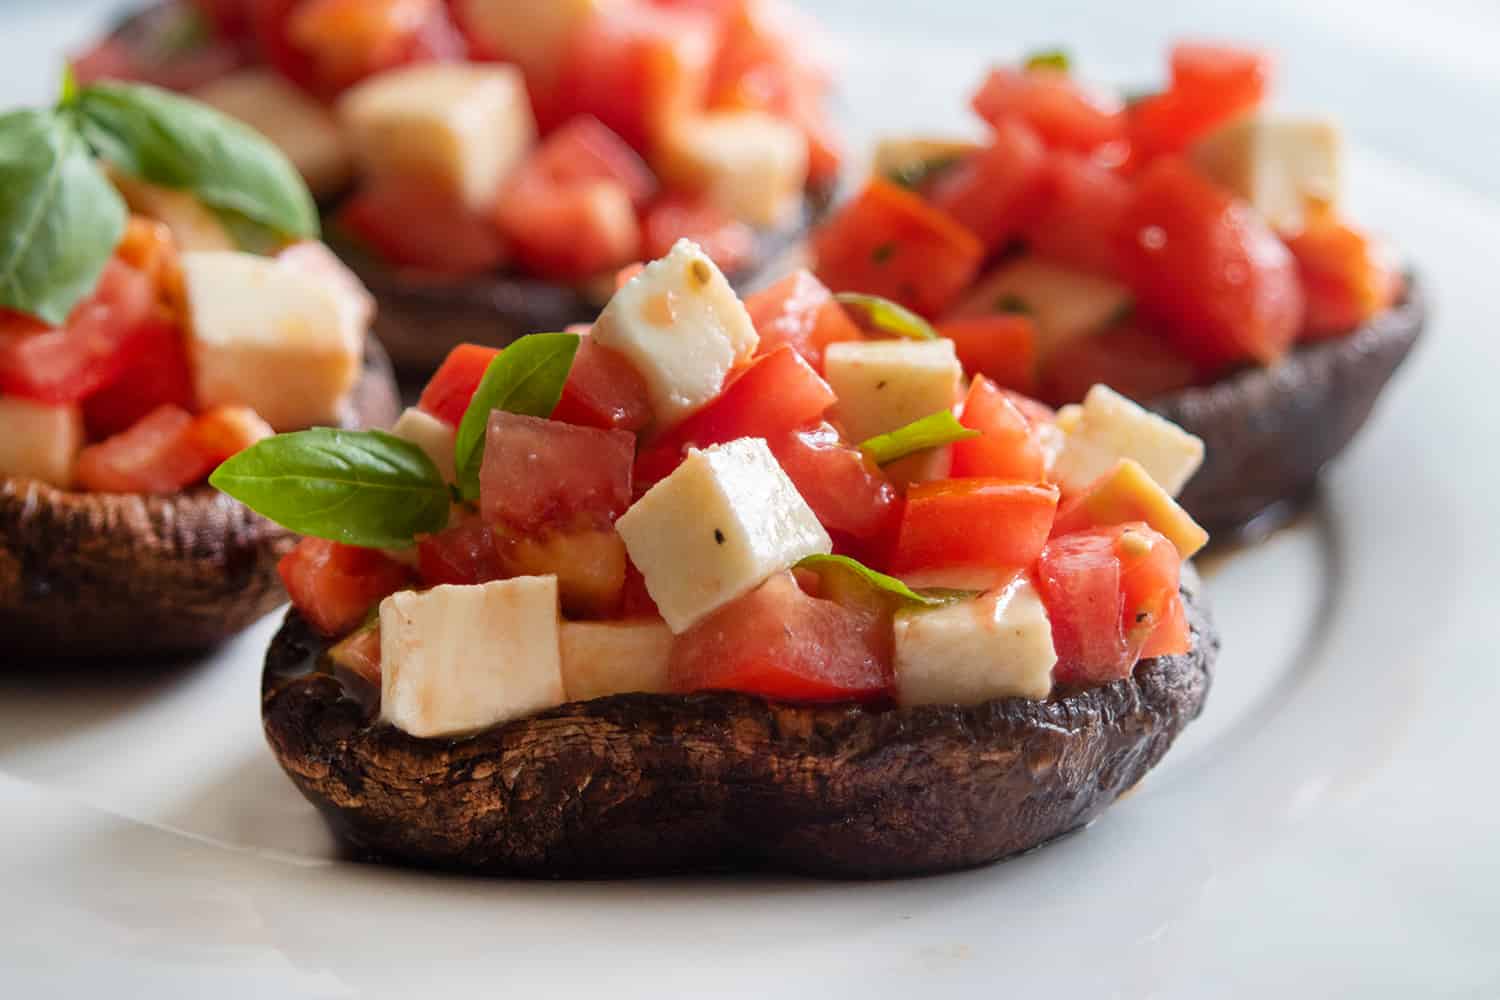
(89, 575)
(645, 784)
(1270, 431)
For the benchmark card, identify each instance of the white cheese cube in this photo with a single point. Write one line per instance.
(604, 658)
(275, 338)
(1065, 304)
(886, 384)
(532, 35)
(1109, 427)
(38, 441)
(1281, 166)
(304, 130)
(716, 528)
(433, 436)
(313, 257)
(464, 126)
(998, 645)
(682, 327)
(748, 163)
(455, 660)
(193, 226)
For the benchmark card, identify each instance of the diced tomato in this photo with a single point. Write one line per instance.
(462, 554)
(568, 232)
(603, 391)
(359, 654)
(149, 247)
(728, 242)
(800, 311)
(1348, 277)
(1106, 591)
(584, 149)
(1211, 85)
(1128, 359)
(773, 395)
(1001, 346)
(589, 564)
(334, 586)
(326, 46)
(844, 488)
(779, 643)
(222, 432)
(1008, 446)
(1063, 113)
(541, 475)
(1081, 212)
(452, 387)
(89, 352)
(636, 601)
(420, 227)
(997, 191)
(974, 523)
(1223, 286)
(889, 242)
(157, 455)
(1172, 637)
(155, 371)
(150, 48)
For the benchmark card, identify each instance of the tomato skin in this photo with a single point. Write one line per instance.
(462, 554)
(155, 371)
(1211, 85)
(327, 46)
(845, 489)
(584, 149)
(603, 391)
(1134, 362)
(772, 395)
(996, 191)
(1063, 113)
(1223, 286)
(800, 311)
(888, 241)
(1080, 215)
(1002, 347)
(452, 386)
(224, 431)
(974, 523)
(422, 228)
(778, 643)
(155, 456)
(334, 586)
(1348, 277)
(1172, 636)
(1007, 447)
(575, 477)
(568, 232)
(728, 242)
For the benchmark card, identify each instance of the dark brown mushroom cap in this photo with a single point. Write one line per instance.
(88, 575)
(1270, 431)
(641, 784)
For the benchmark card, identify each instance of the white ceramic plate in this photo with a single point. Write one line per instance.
(1329, 827)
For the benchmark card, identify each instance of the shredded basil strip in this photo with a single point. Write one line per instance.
(930, 432)
(885, 316)
(887, 587)
(1057, 59)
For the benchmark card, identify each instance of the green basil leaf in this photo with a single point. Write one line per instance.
(527, 377)
(366, 488)
(59, 217)
(885, 316)
(886, 587)
(1050, 59)
(182, 144)
(929, 432)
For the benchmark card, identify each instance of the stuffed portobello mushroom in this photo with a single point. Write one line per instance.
(728, 584)
(487, 166)
(130, 369)
(1186, 249)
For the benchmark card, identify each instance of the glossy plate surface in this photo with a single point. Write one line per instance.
(1328, 827)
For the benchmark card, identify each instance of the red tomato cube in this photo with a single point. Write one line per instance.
(158, 456)
(569, 232)
(1063, 113)
(224, 431)
(1348, 277)
(541, 476)
(1172, 636)
(154, 372)
(889, 242)
(603, 391)
(1008, 446)
(451, 388)
(418, 226)
(335, 586)
(845, 489)
(1211, 85)
(1132, 361)
(583, 150)
(1002, 347)
(728, 242)
(800, 311)
(974, 524)
(996, 191)
(781, 644)
(462, 554)
(1080, 217)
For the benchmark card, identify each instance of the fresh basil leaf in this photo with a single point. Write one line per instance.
(887, 587)
(885, 316)
(929, 432)
(59, 217)
(366, 488)
(182, 144)
(527, 377)
(1056, 59)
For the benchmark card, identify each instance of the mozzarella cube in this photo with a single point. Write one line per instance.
(886, 384)
(304, 130)
(277, 339)
(604, 658)
(39, 441)
(1065, 304)
(433, 436)
(748, 163)
(1281, 166)
(998, 645)
(314, 258)
(455, 660)
(1127, 493)
(1109, 427)
(192, 225)
(464, 126)
(717, 528)
(682, 327)
(533, 35)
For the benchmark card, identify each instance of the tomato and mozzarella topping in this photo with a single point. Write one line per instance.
(799, 497)
(1153, 245)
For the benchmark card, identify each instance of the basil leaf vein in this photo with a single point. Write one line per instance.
(885, 316)
(887, 587)
(365, 488)
(527, 378)
(930, 432)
